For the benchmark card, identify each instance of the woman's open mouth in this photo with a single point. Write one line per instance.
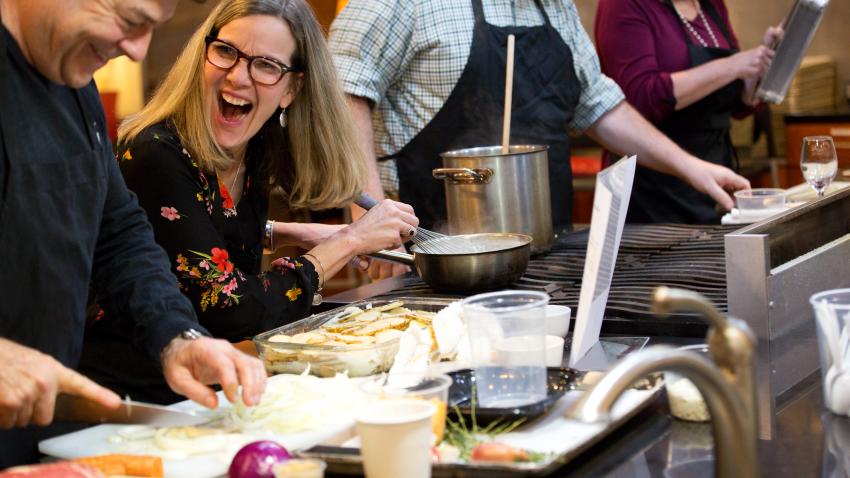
(233, 109)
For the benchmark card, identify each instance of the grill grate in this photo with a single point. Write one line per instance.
(689, 257)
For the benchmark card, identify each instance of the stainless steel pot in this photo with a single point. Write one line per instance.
(487, 191)
(476, 261)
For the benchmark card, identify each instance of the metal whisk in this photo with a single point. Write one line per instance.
(429, 242)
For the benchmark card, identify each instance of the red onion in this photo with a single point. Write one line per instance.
(257, 460)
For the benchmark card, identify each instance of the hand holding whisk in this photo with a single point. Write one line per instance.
(425, 239)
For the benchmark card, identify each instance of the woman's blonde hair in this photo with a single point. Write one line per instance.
(316, 160)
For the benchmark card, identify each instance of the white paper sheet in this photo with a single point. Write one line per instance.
(610, 203)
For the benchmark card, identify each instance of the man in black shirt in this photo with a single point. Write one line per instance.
(67, 221)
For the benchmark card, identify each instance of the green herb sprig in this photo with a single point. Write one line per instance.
(467, 437)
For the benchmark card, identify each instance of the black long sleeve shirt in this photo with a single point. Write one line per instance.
(67, 220)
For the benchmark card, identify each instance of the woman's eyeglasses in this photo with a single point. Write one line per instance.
(265, 71)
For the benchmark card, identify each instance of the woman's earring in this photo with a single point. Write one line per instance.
(283, 118)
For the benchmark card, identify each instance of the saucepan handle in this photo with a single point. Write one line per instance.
(394, 256)
(464, 175)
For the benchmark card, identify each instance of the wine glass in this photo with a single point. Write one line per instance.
(818, 162)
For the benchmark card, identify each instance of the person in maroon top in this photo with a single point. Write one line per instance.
(679, 64)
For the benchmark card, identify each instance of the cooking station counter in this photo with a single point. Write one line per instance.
(690, 257)
(805, 439)
(809, 442)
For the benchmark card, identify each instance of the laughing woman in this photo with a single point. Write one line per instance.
(252, 104)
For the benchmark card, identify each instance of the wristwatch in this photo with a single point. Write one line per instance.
(190, 334)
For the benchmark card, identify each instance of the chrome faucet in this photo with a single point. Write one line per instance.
(728, 388)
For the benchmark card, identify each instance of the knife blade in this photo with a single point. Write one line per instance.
(77, 409)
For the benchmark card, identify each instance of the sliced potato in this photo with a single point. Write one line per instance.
(383, 324)
(387, 335)
(369, 315)
(390, 306)
(398, 311)
(311, 338)
(351, 339)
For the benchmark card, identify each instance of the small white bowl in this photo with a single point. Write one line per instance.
(554, 350)
(557, 320)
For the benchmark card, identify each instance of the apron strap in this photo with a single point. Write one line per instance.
(543, 13)
(478, 11)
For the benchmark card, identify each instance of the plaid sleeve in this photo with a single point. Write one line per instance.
(370, 40)
(599, 94)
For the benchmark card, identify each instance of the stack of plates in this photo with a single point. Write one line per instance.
(813, 87)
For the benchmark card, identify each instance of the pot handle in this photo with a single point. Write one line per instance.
(393, 256)
(464, 175)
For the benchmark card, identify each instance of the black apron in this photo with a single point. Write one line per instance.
(701, 129)
(545, 93)
(51, 166)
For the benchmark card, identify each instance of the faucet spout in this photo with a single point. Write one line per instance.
(734, 434)
(730, 341)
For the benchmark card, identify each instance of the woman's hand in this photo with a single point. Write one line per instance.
(386, 226)
(772, 36)
(752, 63)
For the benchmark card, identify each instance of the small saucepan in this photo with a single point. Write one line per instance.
(467, 262)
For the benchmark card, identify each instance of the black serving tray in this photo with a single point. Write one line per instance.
(461, 393)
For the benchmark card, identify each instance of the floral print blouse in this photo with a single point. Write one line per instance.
(215, 243)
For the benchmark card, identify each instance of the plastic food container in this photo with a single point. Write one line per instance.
(686, 402)
(763, 198)
(328, 360)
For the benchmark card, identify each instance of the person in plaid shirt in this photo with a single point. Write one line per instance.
(427, 76)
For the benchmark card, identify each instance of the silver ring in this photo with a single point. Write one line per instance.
(411, 232)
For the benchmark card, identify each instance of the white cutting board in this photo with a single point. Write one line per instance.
(95, 441)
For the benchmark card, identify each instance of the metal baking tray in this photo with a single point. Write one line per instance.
(347, 461)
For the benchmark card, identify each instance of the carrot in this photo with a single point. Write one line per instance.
(130, 465)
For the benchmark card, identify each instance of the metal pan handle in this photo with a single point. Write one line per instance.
(393, 256)
(464, 175)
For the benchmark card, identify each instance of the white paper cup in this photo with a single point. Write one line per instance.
(554, 351)
(395, 438)
(557, 320)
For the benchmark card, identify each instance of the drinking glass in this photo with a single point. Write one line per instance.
(818, 162)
